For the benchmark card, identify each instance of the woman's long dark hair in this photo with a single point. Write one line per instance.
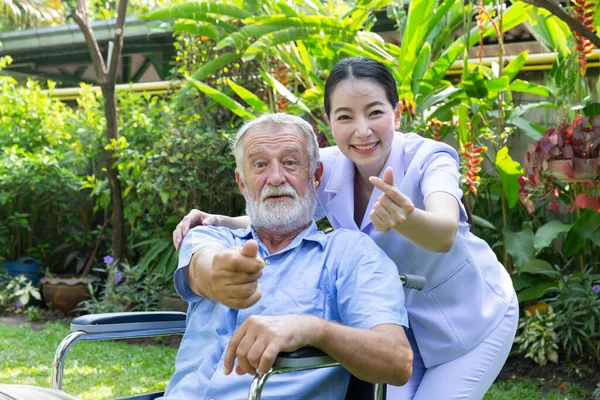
(367, 68)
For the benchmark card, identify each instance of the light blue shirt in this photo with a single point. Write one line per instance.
(343, 277)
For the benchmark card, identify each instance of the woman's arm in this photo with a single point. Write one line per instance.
(432, 229)
(197, 217)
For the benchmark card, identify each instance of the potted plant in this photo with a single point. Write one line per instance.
(569, 152)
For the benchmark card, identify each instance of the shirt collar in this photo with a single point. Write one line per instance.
(311, 233)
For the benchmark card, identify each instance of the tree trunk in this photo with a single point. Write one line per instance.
(112, 132)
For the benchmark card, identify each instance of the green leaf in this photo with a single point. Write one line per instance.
(540, 267)
(591, 110)
(213, 66)
(413, 38)
(519, 245)
(257, 104)
(587, 223)
(483, 223)
(283, 91)
(441, 66)
(421, 66)
(497, 84)
(196, 29)
(533, 131)
(290, 35)
(222, 99)
(595, 238)
(438, 14)
(196, 10)
(463, 115)
(527, 87)
(547, 233)
(474, 85)
(513, 67)
(535, 292)
(509, 170)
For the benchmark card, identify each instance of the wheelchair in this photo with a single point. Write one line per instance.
(128, 325)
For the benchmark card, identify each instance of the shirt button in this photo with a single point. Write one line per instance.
(267, 261)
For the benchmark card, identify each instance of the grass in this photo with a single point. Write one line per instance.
(105, 370)
(533, 390)
(93, 370)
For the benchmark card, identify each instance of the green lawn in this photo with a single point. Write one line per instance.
(105, 370)
(93, 370)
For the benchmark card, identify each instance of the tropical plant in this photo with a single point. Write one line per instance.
(127, 288)
(536, 337)
(17, 293)
(23, 14)
(577, 304)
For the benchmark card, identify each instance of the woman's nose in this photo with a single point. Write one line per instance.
(363, 128)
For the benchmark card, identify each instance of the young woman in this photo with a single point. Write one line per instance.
(403, 191)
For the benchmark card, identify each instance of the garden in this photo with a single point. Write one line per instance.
(92, 188)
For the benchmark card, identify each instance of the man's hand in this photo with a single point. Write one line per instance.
(260, 339)
(234, 275)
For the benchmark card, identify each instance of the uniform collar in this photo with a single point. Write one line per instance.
(341, 183)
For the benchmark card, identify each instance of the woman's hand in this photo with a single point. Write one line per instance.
(193, 219)
(392, 208)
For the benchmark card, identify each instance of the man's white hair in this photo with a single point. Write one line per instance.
(277, 120)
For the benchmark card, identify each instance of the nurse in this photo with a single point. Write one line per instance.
(403, 191)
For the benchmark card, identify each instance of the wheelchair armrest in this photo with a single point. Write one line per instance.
(129, 321)
(413, 281)
(302, 358)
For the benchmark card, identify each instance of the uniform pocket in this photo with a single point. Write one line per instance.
(449, 279)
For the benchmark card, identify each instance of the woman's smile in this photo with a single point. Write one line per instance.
(365, 148)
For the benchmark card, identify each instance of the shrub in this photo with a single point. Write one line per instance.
(577, 304)
(537, 337)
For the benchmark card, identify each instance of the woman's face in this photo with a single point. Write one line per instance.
(363, 123)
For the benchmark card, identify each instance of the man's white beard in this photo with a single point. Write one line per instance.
(281, 216)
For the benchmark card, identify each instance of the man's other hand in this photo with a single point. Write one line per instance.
(260, 339)
(234, 275)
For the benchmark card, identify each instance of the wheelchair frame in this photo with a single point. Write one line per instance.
(128, 325)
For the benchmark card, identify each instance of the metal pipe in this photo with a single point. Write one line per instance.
(59, 357)
(74, 337)
(534, 62)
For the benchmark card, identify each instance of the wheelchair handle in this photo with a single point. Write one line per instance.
(410, 281)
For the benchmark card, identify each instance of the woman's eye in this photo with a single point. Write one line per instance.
(290, 163)
(343, 117)
(376, 112)
(259, 165)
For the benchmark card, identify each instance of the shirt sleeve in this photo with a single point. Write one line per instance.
(196, 239)
(368, 287)
(440, 174)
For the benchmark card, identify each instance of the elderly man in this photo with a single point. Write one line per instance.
(281, 285)
(339, 292)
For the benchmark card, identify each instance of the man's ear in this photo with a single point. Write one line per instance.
(318, 176)
(238, 179)
(398, 116)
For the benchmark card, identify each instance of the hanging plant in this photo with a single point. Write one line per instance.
(568, 152)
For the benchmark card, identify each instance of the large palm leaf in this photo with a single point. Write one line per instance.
(22, 14)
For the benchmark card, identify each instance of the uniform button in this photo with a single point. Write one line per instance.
(212, 398)
(267, 261)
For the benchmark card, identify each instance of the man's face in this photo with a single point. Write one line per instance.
(277, 186)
